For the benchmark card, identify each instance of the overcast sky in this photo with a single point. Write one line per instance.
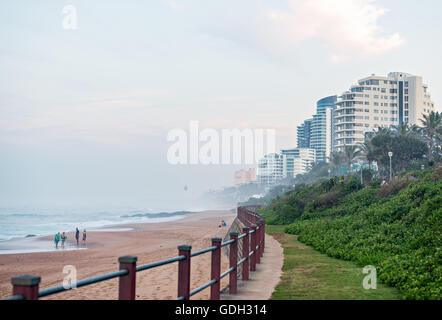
(84, 113)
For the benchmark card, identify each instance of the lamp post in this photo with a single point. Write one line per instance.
(390, 154)
(329, 171)
(362, 180)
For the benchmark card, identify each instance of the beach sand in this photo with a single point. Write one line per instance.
(149, 242)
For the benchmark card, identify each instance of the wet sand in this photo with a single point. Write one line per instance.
(149, 242)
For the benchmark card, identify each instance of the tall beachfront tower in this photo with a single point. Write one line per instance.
(303, 134)
(378, 101)
(321, 136)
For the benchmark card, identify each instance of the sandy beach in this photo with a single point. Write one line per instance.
(149, 242)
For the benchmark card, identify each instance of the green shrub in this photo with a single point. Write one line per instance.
(399, 233)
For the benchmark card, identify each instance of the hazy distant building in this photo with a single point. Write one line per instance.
(270, 169)
(245, 176)
(378, 101)
(297, 161)
(274, 167)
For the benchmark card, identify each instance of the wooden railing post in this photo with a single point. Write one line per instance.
(253, 248)
(258, 242)
(245, 254)
(27, 286)
(184, 272)
(216, 269)
(233, 258)
(263, 235)
(127, 283)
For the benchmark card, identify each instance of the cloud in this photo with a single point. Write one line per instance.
(349, 28)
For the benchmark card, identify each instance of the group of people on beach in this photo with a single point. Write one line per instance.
(63, 237)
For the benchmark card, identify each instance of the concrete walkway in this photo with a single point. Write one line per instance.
(267, 275)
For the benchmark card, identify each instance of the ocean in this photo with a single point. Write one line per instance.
(32, 222)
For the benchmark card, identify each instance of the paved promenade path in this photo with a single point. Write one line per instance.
(267, 275)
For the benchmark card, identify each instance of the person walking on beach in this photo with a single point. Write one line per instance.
(84, 237)
(77, 236)
(57, 239)
(63, 239)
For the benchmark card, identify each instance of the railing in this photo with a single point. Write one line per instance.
(26, 287)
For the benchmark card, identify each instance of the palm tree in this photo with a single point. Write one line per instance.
(350, 154)
(431, 130)
(402, 129)
(336, 160)
(367, 151)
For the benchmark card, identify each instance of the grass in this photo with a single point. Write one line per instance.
(310, 275)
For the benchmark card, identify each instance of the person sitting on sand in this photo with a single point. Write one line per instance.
(57, 239)
(84, 237)
(224, 224)
(63, 239)
(77, 235)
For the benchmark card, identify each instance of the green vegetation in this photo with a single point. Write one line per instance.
(395, 227)
(308, 274)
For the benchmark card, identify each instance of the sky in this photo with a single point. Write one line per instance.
(85, 112)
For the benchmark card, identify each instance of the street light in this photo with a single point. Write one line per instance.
(329, 171)
(390, 154)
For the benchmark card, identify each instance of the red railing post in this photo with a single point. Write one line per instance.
(216, 269)
(253, 248)
(261, 238)
(233, 259)
(27, 286)
(258, 243)
(127, 283)
(184, 272)
(245, 254)
(263, 235)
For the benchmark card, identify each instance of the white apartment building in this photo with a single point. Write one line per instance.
(270, 169)
(274, 167)
(378, 101)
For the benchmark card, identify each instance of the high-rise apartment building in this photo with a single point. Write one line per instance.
(321, 136)
(304, 132)
(378, 101)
